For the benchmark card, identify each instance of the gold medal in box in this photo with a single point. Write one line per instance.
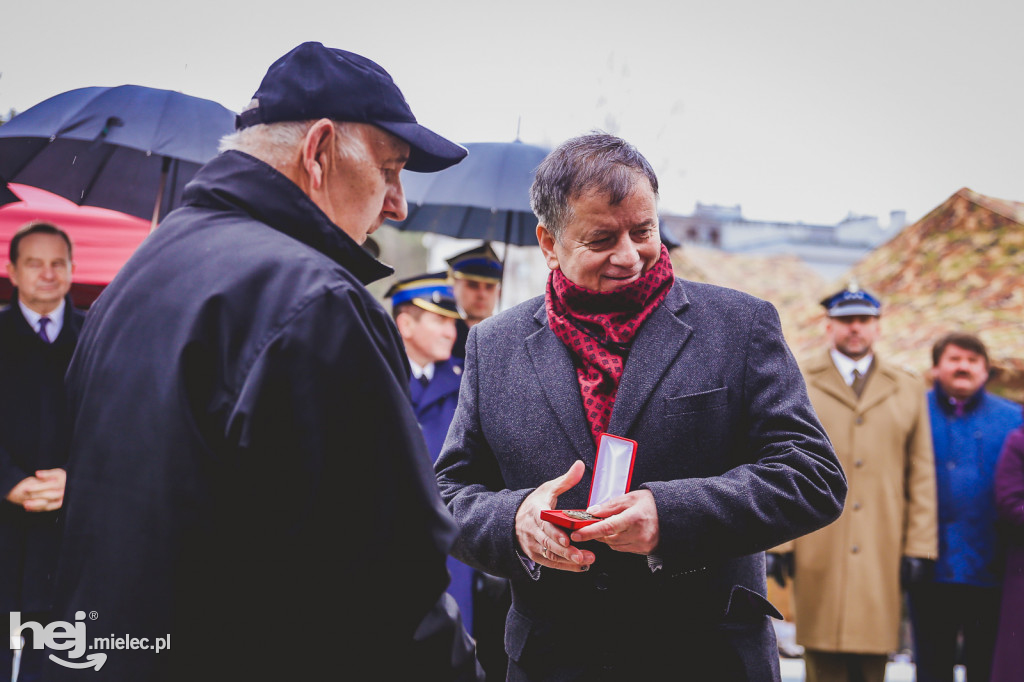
(613, 471)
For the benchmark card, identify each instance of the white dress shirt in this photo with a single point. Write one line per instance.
(846, 365)
(56, 320)
(417, 371)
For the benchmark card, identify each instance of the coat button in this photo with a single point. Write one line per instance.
(855, 549)
(860, 420)
(601, 581)
(856, 506)
(859, 463)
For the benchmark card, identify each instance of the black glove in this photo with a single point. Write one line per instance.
(915, 571)
(779, 566)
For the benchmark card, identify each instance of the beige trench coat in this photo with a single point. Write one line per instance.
(846, 585)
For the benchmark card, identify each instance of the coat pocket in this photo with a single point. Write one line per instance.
(518, 629)
(747, 607)
(697, 402)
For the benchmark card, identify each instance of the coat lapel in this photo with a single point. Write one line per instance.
(445, 382)
(879, 387)
(827, 379)
(557, 377)
(654, 350)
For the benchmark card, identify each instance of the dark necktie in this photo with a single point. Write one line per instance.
(43, 321)
(858, 382)
(424, 381)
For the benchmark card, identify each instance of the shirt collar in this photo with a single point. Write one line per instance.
(846, 364)
(417, 371)
(56, 318)
(949, 404)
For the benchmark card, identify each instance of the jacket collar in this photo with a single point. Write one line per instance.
(947, 405)
(655, 347)
(22, 327)
(821, 372)
(237, 180)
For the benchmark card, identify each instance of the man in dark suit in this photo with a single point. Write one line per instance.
(38, 331)
(731, 459)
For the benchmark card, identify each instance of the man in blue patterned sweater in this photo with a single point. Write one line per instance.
(968, 428)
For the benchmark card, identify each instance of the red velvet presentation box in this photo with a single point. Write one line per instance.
(613, 471)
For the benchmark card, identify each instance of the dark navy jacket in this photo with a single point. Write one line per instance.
(435, 403)
(248, 474)
(34, 431)
(435, 406)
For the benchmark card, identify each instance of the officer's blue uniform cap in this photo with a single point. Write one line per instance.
(480, 264)
(313, 82)
(432, 292)
(852, 301)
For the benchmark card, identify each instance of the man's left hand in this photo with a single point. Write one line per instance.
(47, 491)
(631, 526)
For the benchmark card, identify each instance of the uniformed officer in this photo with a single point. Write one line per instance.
(848, 575)
(476, 276)
(425, 313)
(424, 306)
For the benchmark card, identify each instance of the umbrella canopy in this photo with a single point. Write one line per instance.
(7, 195)
(486, 196)
(129, 148)
(103, 240)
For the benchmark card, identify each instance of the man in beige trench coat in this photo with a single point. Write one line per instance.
(847, 575)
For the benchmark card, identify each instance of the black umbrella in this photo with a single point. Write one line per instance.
(7, 195)
(486, 196)
(127, 148)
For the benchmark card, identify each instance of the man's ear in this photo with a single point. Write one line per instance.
(316, 148)
(405, 322)
(12, 274)
(547, 246)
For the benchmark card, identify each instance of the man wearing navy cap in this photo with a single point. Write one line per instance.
(477, 277)
(249, 481)
(847, 576)
(425, 314)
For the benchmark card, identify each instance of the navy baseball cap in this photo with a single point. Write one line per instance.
(852, 301)
(313, 82)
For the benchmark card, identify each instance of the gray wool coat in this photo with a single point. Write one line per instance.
(729, 446)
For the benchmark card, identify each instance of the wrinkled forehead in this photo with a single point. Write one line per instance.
(384, 145)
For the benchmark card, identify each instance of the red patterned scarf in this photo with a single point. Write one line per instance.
(598, 328)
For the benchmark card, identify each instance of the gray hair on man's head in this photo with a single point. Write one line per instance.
(597, 162)
(277, 144)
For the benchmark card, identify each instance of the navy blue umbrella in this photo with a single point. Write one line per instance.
(7, 196)
(486, 196)
(128, 148)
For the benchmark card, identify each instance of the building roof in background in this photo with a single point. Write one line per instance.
(960, 268)
(784, 280)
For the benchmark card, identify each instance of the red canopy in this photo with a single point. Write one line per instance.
(103, 239)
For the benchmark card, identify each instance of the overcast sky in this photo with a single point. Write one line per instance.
(798, 110)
